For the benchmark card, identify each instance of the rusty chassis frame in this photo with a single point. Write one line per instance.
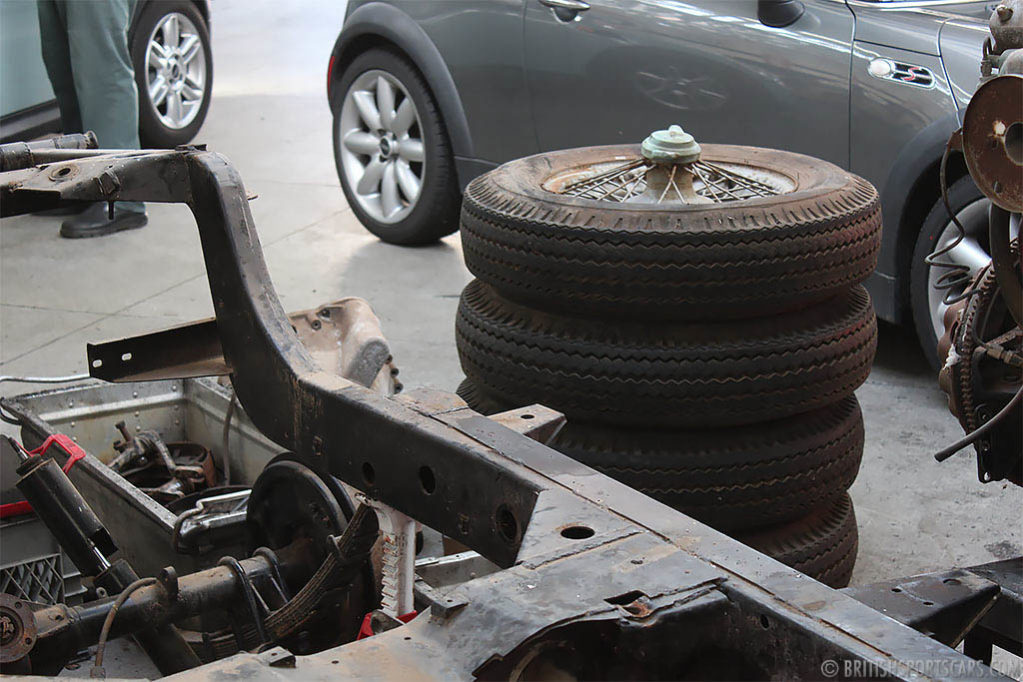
(595, 577)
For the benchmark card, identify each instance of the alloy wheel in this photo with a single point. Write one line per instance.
(176, 70)
(381, 146)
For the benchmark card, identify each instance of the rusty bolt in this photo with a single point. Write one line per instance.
(8, 629)
(108, 182)
(1004, 12)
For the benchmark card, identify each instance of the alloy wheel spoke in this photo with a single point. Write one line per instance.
(193, 82)
(407, 180)
(970, 253)
(189, 49)
(171, 32)
(404, 117)
(389, 190)
(157, 55)
(174, 109)
(359, 142)
(158, 90)
(190, 93)
(411, 150)
(367, 107)
(385, 102)
(369, 183)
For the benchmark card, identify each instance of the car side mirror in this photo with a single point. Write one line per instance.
(779, 13)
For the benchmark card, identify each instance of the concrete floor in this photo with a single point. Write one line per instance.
(269, 116)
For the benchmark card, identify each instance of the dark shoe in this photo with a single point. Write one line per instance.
(95, 221)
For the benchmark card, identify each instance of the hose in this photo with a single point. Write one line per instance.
(958, 275)
(981, 430)
(97, 670)
(45, 380)
(249, 593)
(37, 380)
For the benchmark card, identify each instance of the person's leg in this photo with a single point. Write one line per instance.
(105, 85)
(103, 73)
(57, 58)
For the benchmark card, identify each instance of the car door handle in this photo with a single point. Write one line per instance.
(567, 5)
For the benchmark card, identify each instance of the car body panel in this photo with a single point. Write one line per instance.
(624, 68)
(388, 23)
(960, 53)
(887, 118)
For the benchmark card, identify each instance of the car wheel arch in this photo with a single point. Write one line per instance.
(377, 24)
(909, 193)
(202, 6)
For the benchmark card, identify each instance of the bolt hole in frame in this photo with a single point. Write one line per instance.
(577, 532)
(507, 524)
(427, 480)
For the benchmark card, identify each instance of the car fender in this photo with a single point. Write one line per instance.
(905, 180)
(394, 26)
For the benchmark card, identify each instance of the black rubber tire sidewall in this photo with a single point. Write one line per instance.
(436, 212)
(563, 253)
(667, 375)
(962, 193)
(152, 133)
(732, 479)
(822, 544)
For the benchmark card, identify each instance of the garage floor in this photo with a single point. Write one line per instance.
(270, 117)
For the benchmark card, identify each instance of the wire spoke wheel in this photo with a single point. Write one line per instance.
(382, 151)
(629, 181)
(176, 70)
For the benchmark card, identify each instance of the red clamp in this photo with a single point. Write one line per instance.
(65, 443)
(366, 630)
(74, 452)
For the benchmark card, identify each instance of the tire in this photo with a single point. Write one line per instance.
(433, 212)
(154, 129)
(821, 545)
(731, 479)
(735, 259)
(970, 207)
(667, 375)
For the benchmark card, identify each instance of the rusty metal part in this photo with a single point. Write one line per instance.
(17, 629)
(574, 546)
(993, 140)
(534, 421)
(15, 155)
(344, 337)
(64, 630)
(164, 471)
(1006, 26)
(983, 370)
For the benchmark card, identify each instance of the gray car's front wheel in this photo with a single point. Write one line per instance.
(929, 285)
(392, 151)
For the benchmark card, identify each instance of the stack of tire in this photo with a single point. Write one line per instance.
(705, 355)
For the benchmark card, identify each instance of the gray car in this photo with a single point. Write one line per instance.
(428, 95)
